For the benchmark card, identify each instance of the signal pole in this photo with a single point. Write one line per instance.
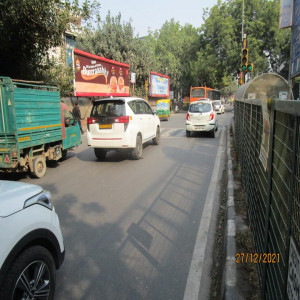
(243, 21)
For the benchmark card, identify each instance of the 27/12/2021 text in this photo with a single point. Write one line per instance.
(257, 258)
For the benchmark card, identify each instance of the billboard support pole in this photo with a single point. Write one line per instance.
(146, 89)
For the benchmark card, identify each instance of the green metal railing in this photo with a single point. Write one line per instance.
(272, 190)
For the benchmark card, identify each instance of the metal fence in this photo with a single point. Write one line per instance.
(272, 191)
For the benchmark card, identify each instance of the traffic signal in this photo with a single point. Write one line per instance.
(250, 67)
(244, 59)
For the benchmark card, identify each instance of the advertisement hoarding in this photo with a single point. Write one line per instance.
(286, 13)
(99, 76)
(159, 85)
(295, 70)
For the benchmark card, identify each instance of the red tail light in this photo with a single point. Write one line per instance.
(91, 120)
(187, 116)
(124, 119)
(211, 116)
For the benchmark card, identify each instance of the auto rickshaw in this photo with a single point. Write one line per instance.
(163, 107)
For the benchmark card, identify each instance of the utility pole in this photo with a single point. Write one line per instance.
(243, 21)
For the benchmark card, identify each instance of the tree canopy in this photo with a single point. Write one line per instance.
(209, 55)
(29, 28)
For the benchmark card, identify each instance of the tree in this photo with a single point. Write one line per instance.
(219, 53)
(29, 28)
(115, 40)
(175, 47)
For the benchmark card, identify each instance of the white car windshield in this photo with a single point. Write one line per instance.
(200, 107)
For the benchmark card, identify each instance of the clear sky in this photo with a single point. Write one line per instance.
(153, 14)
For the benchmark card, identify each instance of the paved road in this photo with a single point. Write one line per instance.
(130, 226)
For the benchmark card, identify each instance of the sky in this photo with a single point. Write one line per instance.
(153, 14)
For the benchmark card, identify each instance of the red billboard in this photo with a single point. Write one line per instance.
(99, 76)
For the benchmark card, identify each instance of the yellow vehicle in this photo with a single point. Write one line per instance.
(163, 108)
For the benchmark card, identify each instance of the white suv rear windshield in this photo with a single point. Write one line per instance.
(108, 108)
(200, 107)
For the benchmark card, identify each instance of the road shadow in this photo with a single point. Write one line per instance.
(112, 155)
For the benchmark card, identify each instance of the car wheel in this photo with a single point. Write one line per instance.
(212, 133)
(31, 276)
(138, 150)
(188, 133)
(39, 167)
(156, 140)
(100, 153)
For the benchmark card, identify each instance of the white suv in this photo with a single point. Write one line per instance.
(201, 117)
(122, 123)
(31, 242)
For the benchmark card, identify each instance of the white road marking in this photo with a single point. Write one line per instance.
(165, 133)
(195, 274)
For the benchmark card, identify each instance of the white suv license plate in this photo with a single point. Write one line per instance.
(105, 126)
(200, 127)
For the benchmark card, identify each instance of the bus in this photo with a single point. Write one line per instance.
(201, 93)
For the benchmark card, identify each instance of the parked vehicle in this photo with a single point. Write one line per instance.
(219, 106)
(122, 124)
(34, 127)
(201, 117)
(31, 241)
(163, 108)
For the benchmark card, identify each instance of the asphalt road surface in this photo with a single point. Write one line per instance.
(130, 227)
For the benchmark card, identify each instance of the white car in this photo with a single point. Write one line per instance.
(219, 106)
(31, 242)
(201, 117)
(122, 123)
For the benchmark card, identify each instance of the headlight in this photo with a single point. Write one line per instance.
(43, 198)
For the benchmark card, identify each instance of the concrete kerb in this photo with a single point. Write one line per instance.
(230, 271)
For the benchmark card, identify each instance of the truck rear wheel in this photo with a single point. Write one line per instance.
(39, 167)
(64, 154)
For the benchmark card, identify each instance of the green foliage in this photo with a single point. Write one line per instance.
(219, 54)
(175, 48)
(115, 40)
(29, 28)
(59, 74)
(209, 55)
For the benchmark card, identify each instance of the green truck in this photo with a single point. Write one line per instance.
(35, 127)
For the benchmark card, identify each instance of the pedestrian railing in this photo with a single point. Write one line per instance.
(269, 155)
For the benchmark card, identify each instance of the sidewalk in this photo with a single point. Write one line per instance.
(240, 279)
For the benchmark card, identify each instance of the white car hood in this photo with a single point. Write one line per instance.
(14, 194)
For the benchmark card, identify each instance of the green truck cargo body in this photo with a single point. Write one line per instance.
(32, 128)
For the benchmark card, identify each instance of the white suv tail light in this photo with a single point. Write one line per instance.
(91, 120)
(124, 119)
